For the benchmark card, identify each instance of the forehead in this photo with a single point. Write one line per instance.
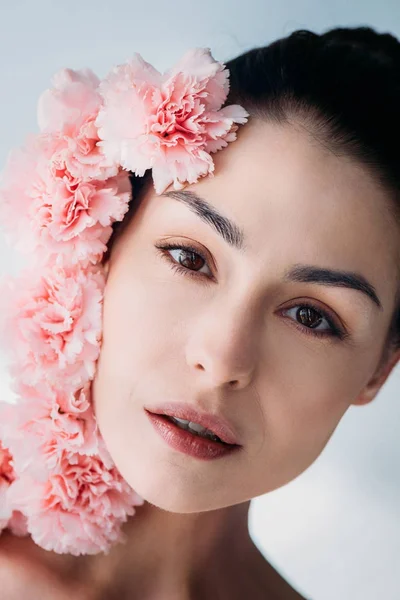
(296, 200)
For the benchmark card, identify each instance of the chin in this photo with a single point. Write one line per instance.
(172, 492)
(174, 486)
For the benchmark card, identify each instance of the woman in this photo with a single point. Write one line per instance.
(266, 297)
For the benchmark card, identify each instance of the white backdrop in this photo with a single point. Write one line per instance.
(334, 532)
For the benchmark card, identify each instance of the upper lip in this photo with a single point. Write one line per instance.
(219, 426)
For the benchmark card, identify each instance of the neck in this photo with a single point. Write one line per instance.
(168, 555)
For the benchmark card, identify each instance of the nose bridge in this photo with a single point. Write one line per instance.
(240, 316)
(226, 341)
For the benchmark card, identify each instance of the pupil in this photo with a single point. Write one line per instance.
(193, 257)
(306, 312)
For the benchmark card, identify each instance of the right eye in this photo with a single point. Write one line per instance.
(305, 310)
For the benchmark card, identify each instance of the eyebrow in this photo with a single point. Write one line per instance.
(234, 236)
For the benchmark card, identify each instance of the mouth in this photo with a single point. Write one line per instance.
(186, 416)
(190, 438)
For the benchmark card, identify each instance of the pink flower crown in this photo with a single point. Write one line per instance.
(59, 196)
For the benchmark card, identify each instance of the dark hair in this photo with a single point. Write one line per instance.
(344, 87)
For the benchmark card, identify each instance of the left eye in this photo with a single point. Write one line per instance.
(184, 264)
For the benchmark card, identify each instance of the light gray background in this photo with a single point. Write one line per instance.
(334, 532)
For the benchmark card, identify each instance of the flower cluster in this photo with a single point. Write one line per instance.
(59, 196)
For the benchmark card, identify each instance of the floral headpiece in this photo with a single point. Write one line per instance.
(59, 196)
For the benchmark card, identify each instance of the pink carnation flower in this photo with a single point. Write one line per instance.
(68, 110)
(15, 434)
(9, 517)
(63, 488)
(40, 427)
(53, 320)
(6, 468)
(169, 122)
(7, 476)
(79, 509)
(47, 211)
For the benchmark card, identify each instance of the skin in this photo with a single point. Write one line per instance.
(171, 337)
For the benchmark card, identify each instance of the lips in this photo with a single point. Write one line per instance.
(219, 426)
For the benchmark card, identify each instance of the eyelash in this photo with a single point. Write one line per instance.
(336, 331)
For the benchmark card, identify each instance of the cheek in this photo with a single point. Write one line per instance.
(140, 343)
(299, 417)
(137, 323)
(302, 400)
(308, 386)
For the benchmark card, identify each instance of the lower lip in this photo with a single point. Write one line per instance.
(189, 443)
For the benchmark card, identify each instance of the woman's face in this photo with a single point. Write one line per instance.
(169, 337)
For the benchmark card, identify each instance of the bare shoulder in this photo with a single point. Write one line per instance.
(23, 567)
